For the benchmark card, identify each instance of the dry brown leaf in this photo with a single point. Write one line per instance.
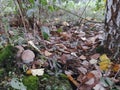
(88, 77)
(85, 48)
(85, 87)
(83, 38)
(29, 72)
(47, 53)
(63, 58)
(65, 23)
(93, 61)
(81, 34)
(65, 35)
(95, 56)
(82, 57)
(99, 86)
(116, 67)
(85, 63)
(91, 40)
(82, 70)
(61, 46)
(90, 81)
(97, 74)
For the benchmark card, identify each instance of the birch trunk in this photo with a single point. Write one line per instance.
(112, 27)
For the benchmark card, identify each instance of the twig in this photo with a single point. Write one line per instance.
(117, 74)
(21, 14)
(84, 10)
(6, 26)
(73, 80)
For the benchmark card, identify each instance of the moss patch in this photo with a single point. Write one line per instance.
(7, 53)
(31, 82)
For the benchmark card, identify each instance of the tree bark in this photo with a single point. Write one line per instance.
(112, 27)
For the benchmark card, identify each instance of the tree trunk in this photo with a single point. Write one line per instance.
(112, 27)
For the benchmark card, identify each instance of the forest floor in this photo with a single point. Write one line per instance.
(56, 56)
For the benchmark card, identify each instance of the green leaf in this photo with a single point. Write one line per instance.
(31, 1)
(107, 81)
(16, 84)
(59, 30)
(45, 32)
(43, 2)
(51, 8)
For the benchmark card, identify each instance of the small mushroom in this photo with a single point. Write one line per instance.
(20, 50)
(28, 56)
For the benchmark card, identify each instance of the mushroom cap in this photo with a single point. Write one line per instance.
(27, 56)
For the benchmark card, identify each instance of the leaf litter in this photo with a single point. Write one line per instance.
(70, 50)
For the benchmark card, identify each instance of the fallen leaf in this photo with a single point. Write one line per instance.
(81, 34)
(85, 48)
(82, 70)
(16, 84)
(95, 56)
(33, 45)
(98, 87)
(85, 63)
(65, 35)
(74, 54)
(61, 46)
(85, 87)
(47, 53)
(90, 81)
(93, 61)
(90, 75)
(97, 74)
(29, 72)
(65, 23)
(45, 32)
(82, 57)
(83, 38)
(116, 67)
(38, 72)
(63, 58)
(91, 40)
(104, 58)
(105, 62)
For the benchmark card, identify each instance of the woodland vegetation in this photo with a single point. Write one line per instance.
(59, 44)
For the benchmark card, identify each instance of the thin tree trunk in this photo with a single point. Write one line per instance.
(112, 27)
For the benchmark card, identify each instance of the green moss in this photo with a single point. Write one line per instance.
(1, 71)
(31, 82)
(7, 52)
(7, 58)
